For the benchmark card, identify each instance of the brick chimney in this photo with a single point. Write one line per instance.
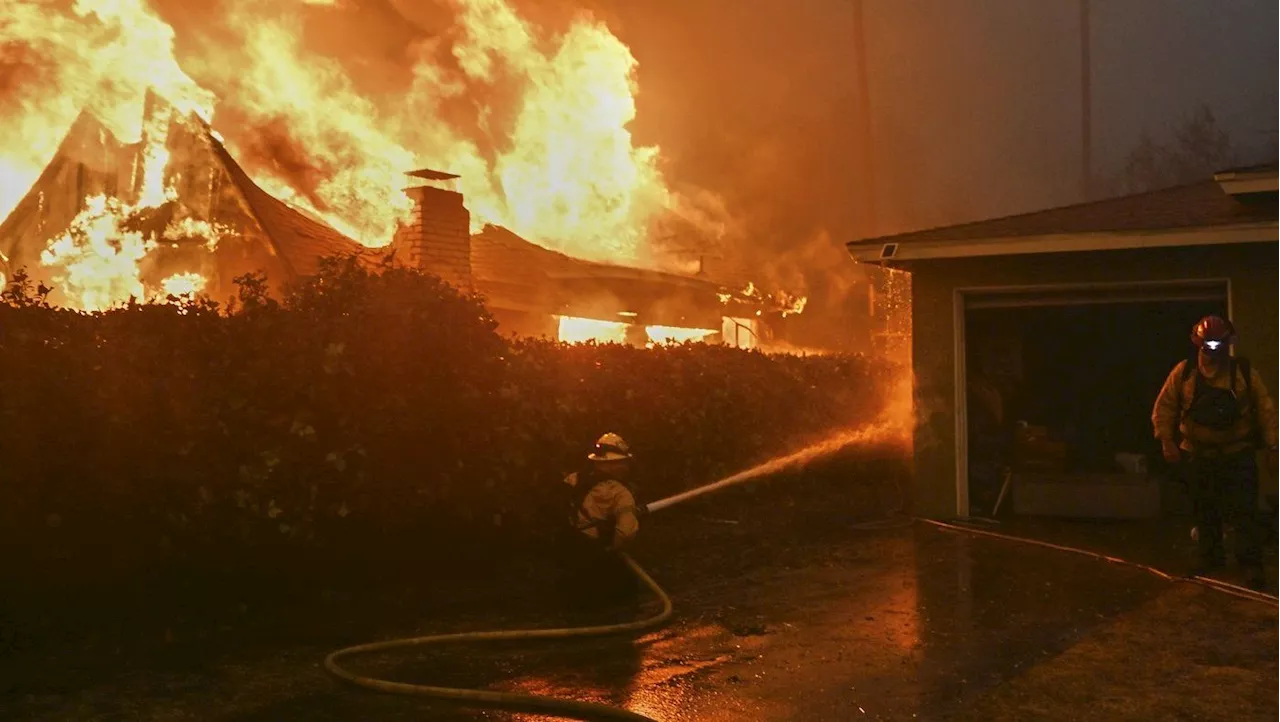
(438, 239)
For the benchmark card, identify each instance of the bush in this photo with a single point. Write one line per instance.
(360, 416)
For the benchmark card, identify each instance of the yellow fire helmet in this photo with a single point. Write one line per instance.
(610, 447)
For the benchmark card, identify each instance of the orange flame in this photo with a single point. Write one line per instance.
(183, 284)
(547, 152)
(675, 334)
(96, 262)
(102, 56)
(581, 330)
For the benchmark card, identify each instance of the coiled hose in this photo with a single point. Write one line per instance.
(572, 709)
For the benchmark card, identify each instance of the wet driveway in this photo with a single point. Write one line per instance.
(914, 622)
(906, 623)
(911, 623)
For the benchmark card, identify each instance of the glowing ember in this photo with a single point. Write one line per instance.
(183, 284)
(675, 334)
(582, 330)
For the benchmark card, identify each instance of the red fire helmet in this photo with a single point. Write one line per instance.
(1213, 333)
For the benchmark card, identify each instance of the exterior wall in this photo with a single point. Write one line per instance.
(1251, 268)
(525, 323)
(439, 239)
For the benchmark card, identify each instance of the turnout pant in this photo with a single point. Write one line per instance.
(592, 576)
(1225, 489)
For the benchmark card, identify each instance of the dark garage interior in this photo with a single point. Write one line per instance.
(1064, 389)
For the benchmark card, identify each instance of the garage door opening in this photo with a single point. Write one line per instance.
(1059, 394)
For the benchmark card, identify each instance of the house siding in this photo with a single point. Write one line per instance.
(1251, 268)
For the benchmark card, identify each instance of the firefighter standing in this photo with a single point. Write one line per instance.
(603, 517)
(1212, 415)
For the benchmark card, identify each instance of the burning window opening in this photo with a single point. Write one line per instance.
(584, 330)
(741, 332)
(660, 335)
(183, 284)
(574, 329)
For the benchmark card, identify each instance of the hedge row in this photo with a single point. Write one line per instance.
(361, 414)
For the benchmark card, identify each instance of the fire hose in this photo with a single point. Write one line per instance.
(576, 709)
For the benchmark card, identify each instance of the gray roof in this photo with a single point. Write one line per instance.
(1198, 205)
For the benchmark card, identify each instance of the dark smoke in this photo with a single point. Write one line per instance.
(22, 67)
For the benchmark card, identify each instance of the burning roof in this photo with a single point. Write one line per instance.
(535, 120)
(108, 220)
(104, 223)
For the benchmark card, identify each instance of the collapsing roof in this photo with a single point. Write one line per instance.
(1171, 216)
(213, 221)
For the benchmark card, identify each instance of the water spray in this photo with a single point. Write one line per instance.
(823, 448)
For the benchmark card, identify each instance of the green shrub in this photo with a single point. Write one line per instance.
(361, 415)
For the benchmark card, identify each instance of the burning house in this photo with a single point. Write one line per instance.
(535, 291)
(171, 214)
(175, 213)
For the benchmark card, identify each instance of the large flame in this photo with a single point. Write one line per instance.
(544, 148)
(99, 55)
(97, 261)
(574, 329)
(582, 330)
(661, 335)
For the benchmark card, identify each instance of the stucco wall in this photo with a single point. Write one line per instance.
(1252, 269)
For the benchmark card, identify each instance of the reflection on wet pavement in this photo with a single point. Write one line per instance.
(772, 624)
(892, 625)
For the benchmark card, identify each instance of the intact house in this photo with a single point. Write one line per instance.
(213, 221)
(1040, 340)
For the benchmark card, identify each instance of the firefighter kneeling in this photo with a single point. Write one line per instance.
(1219, 407)
(603, 519)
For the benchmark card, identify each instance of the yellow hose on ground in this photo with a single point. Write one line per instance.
(572, 709)
(1216, 584)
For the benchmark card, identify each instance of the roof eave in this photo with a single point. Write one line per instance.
(1255, 232)
(1243, 182)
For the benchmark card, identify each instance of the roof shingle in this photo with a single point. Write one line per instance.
(1197, 205)
(299, 240)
